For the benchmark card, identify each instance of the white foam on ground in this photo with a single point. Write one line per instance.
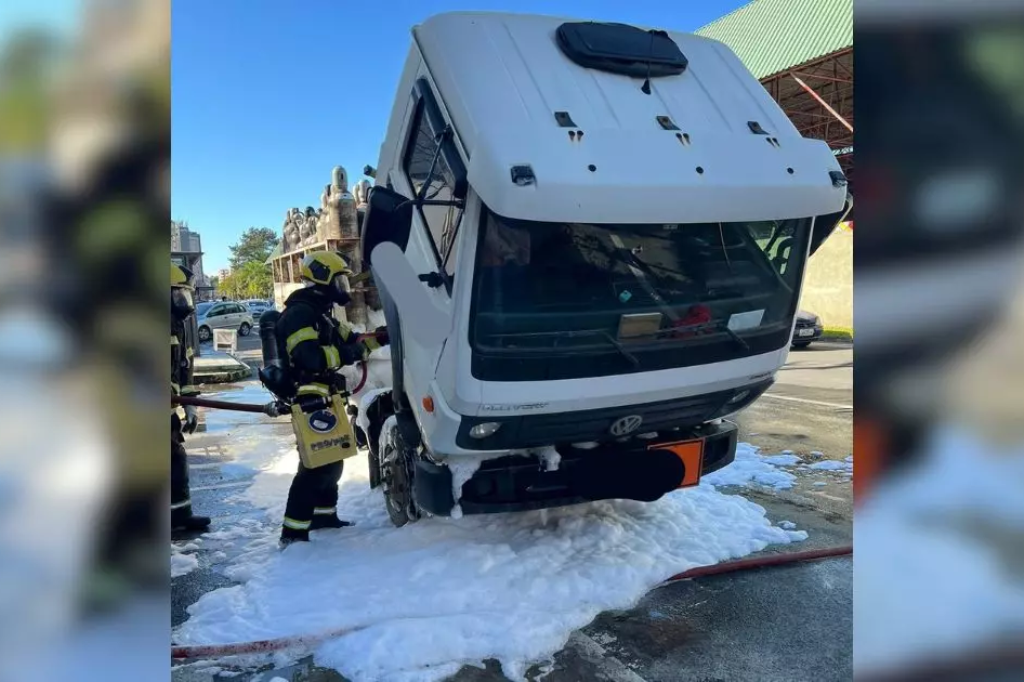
(832, 465)
(751, 467)
(182, 564)
(440, 593)
(927, 583)
(781, 460)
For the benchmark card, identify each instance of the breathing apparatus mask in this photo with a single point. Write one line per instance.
(341, 290)
(182, 304)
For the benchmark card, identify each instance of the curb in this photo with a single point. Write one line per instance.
(222, 376)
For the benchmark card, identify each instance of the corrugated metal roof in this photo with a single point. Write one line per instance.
(770, 36)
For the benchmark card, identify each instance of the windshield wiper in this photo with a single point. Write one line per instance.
(734, 336)
(622, 349)
(573, 333)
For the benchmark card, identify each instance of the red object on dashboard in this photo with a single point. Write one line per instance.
(695, 316)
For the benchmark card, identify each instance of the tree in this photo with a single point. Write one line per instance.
(26, 61)
(252, 280)
(254, 246)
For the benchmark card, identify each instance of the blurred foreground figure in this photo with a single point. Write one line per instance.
(85, 120)
(939, 240)
(182, 307)
(939, 524)
(110, 216)
(115, 224)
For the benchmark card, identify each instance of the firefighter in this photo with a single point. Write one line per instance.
(182, 308)
(315, 345)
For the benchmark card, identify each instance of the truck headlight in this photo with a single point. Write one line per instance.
(738, 397)
(484, 430)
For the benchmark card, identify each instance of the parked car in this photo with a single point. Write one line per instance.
(808, 328)
(257, 307)
(223, 315)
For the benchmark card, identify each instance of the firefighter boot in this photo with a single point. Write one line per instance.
(322, 521)
(189, 522)
(291, 535)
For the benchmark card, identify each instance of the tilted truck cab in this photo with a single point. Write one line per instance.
(589, 240)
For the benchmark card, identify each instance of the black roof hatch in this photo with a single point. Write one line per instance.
(621, 49)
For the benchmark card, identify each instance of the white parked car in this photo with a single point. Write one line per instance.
(258, 307)
(222, 315)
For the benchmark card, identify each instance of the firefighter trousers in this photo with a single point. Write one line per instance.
(181, 501)
(314, 493)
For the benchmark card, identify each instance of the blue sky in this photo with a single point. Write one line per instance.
(59, 16)
(269, 95)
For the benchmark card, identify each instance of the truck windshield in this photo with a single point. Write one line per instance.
(573, 300)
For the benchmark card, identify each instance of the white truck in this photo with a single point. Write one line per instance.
(590, 240)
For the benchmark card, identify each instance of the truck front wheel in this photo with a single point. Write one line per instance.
(396, 476)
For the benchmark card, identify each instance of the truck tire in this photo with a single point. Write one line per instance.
(396, 467)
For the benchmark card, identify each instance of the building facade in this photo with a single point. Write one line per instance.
(187, 250)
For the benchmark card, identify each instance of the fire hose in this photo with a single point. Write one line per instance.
(268, 409)
(268, 645)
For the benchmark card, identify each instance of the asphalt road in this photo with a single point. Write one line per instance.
(789, 623)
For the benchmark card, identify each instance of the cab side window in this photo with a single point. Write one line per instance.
(419, 156)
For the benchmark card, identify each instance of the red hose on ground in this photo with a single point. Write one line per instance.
(762, 561)
(259, 647)
(268, 645)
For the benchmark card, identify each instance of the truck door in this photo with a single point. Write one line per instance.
(431, 169)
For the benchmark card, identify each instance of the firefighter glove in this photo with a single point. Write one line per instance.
(191, 419)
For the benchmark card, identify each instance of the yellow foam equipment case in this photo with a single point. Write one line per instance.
(324, 436)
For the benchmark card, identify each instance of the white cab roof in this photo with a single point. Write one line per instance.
(502, 76)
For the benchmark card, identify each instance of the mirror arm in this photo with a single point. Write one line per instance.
(457, 203)
(432, 279)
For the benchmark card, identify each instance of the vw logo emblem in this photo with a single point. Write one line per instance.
(626, 425)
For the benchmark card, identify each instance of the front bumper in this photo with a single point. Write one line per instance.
(526, 431)
(635, 470)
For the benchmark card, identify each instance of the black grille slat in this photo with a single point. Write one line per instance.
(584, 426)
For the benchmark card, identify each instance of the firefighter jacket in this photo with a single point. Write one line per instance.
(182, 362)
(316, 345)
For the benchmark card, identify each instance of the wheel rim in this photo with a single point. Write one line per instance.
(396, 486)
(391, 476)
(204, 334)
(244, 331)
